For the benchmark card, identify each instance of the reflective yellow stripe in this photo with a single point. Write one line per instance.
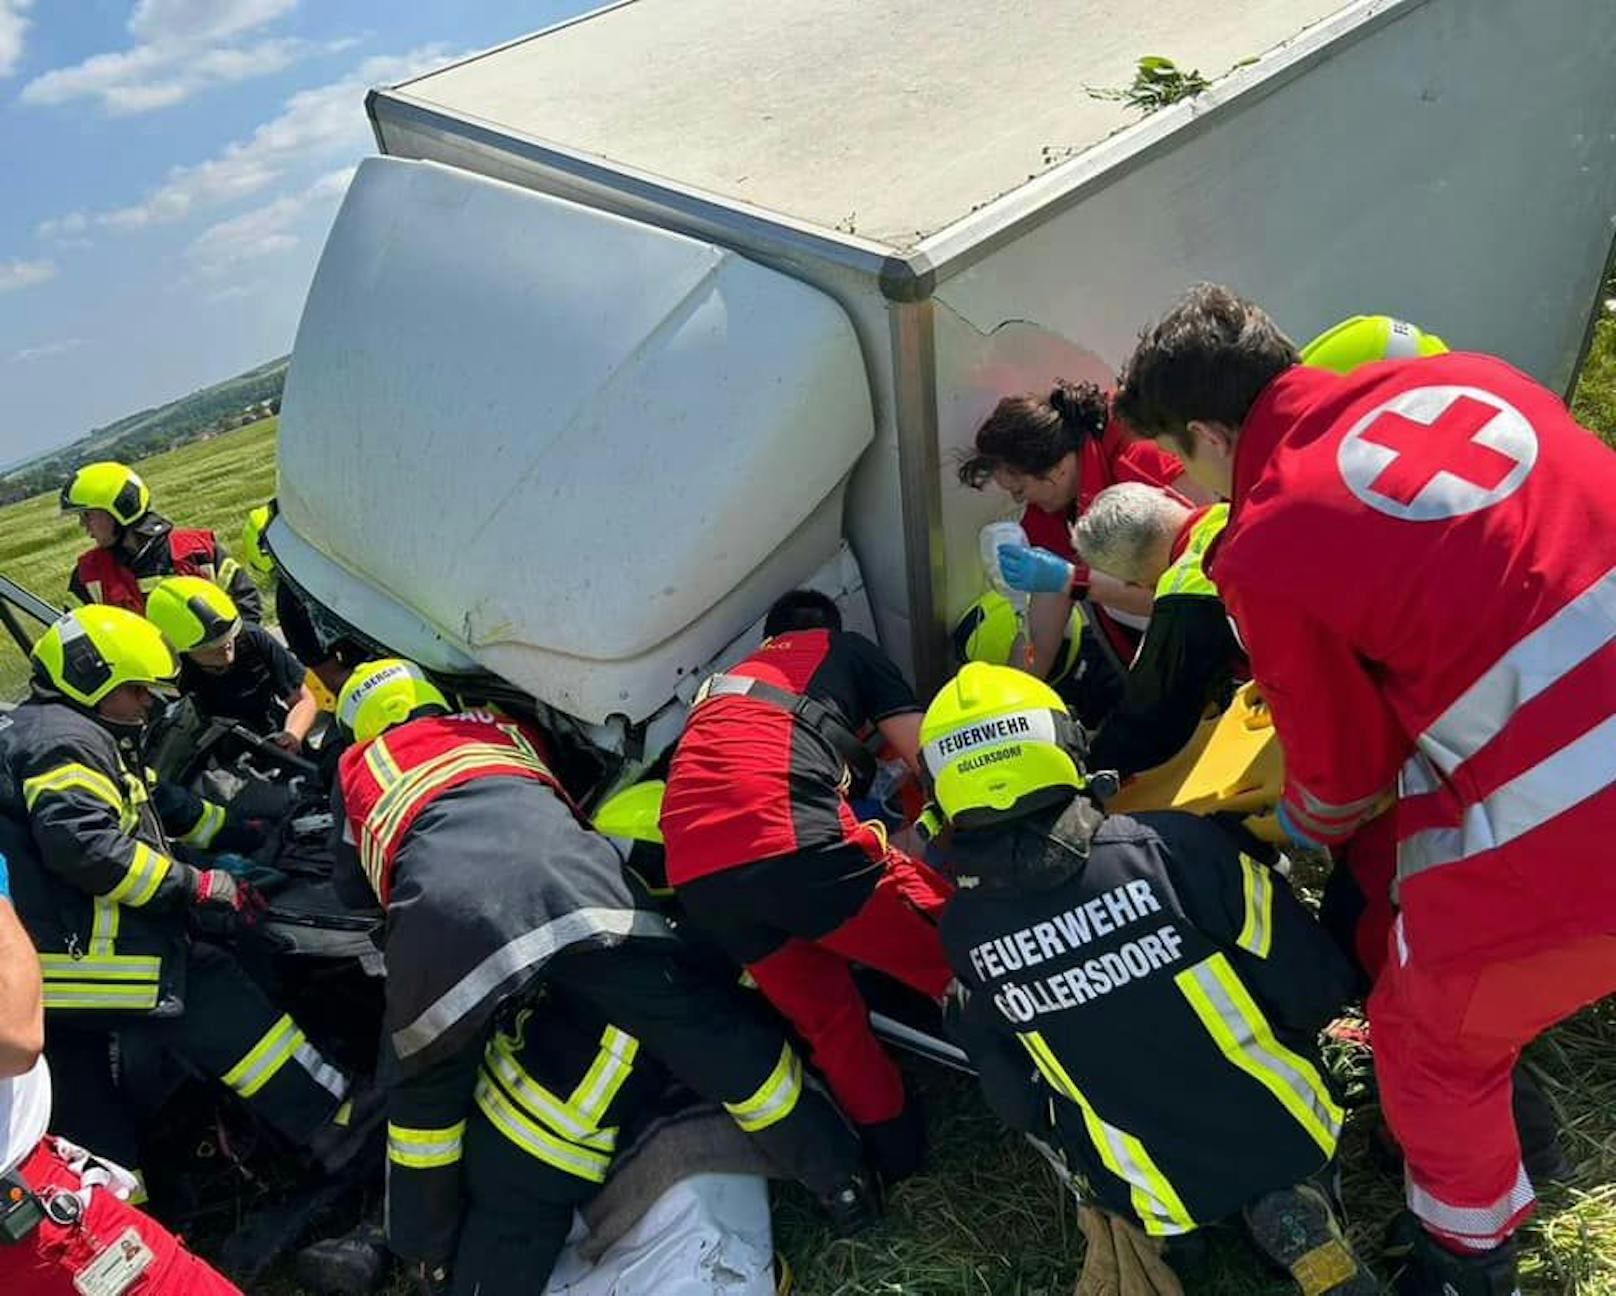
(1187, 575)
(1155, 1201)
(104, 927)
(775, 1099)
(110, 997)
(425, 1149)
(120, 967)
(72, 775)
(566, 1116)
(605, 1076)
(227, 573)
(1232, 1017)
(206, 827)
(1257, 932)
(382, 766)
(146, 871)
(534, 1139)
(265, 1059)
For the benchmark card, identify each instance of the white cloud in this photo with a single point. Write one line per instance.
(45, 350)
(314, 125)
(63, 227)
(16, 274)
(13, 33)
(263, 231)
(181, 48)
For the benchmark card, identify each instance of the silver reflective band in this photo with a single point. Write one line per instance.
(1557, 647)
(1479, 1227)
(1551, 787)
(1035, 724)
(321, 1072)
(525, 951)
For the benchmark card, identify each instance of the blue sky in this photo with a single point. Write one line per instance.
(171, 168)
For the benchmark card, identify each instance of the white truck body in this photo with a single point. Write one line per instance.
(646, 318)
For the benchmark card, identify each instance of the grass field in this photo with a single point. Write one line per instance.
(988, 1218)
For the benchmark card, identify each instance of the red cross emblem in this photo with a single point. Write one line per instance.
(1437, 452)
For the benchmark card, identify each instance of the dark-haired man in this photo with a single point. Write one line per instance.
(769, 858)
(1413, 563)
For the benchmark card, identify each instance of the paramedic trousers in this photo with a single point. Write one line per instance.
(796, 922)
(1445, 1045)
(229, 1032)
(46, 1262)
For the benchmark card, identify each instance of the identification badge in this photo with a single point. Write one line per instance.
(114, 1270)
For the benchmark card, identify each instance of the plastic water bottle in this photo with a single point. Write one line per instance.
(992, 536)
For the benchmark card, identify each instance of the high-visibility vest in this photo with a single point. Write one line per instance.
(108, 580)
(1187, 573)
(388, 781)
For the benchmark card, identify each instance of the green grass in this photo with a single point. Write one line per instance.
(988, 1217)
(208, 484)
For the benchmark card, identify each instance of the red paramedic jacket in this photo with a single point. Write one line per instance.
(99, 576)
(749, 783)
(1421, 563)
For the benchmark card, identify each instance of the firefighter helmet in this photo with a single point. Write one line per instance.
(110, 486)
(192, 613)
(252, 539)
(90, 651)
(1363, 339)
(997, 743)
(633, 814)
(384, 693)
(989, 629)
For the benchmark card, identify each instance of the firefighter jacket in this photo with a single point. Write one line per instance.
(1149, 999)
(456, 824)
(486, 871)
(151, 549)
(93, 870)
(1187, 661)
(1419, 563)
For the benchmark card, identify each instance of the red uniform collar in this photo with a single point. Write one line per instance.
(1181, 541)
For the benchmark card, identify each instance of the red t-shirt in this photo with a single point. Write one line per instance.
(748, 782)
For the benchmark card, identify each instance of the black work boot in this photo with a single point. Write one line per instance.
(354, 1264)
(1297, 1229)
(1539, 1128)
(1433, 1270)
(853, 1205)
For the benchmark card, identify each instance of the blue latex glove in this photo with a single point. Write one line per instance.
(5, 880)
(1034, 571)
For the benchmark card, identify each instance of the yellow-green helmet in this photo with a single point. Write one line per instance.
(192, 612)
(998, 743)
(1363, 339)
(988, 630)
(633, 814)
(109, 486)
(384, 693)
(92, 650)
(252, 539)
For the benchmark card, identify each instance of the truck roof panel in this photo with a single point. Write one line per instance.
(888, 119)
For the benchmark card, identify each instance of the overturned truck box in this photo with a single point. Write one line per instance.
(643, 319)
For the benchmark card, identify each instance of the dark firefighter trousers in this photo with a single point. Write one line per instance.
(229, 1032)
(708, 1035)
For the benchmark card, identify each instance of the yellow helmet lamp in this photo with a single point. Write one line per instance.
(253, 551)
(192, 613)
(1364, 339)
(381, 694)
(90, 651)
(110, 486)
(996, 744)
(634, 814)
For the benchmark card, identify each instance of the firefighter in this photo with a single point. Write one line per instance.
(1167, 990)
(1414, 563)
(64, 1216)
(233, 670)
(497, 892)
(109, 904)
(135, 546)
(1189, 658)
(769, 860)
(1053, 455)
